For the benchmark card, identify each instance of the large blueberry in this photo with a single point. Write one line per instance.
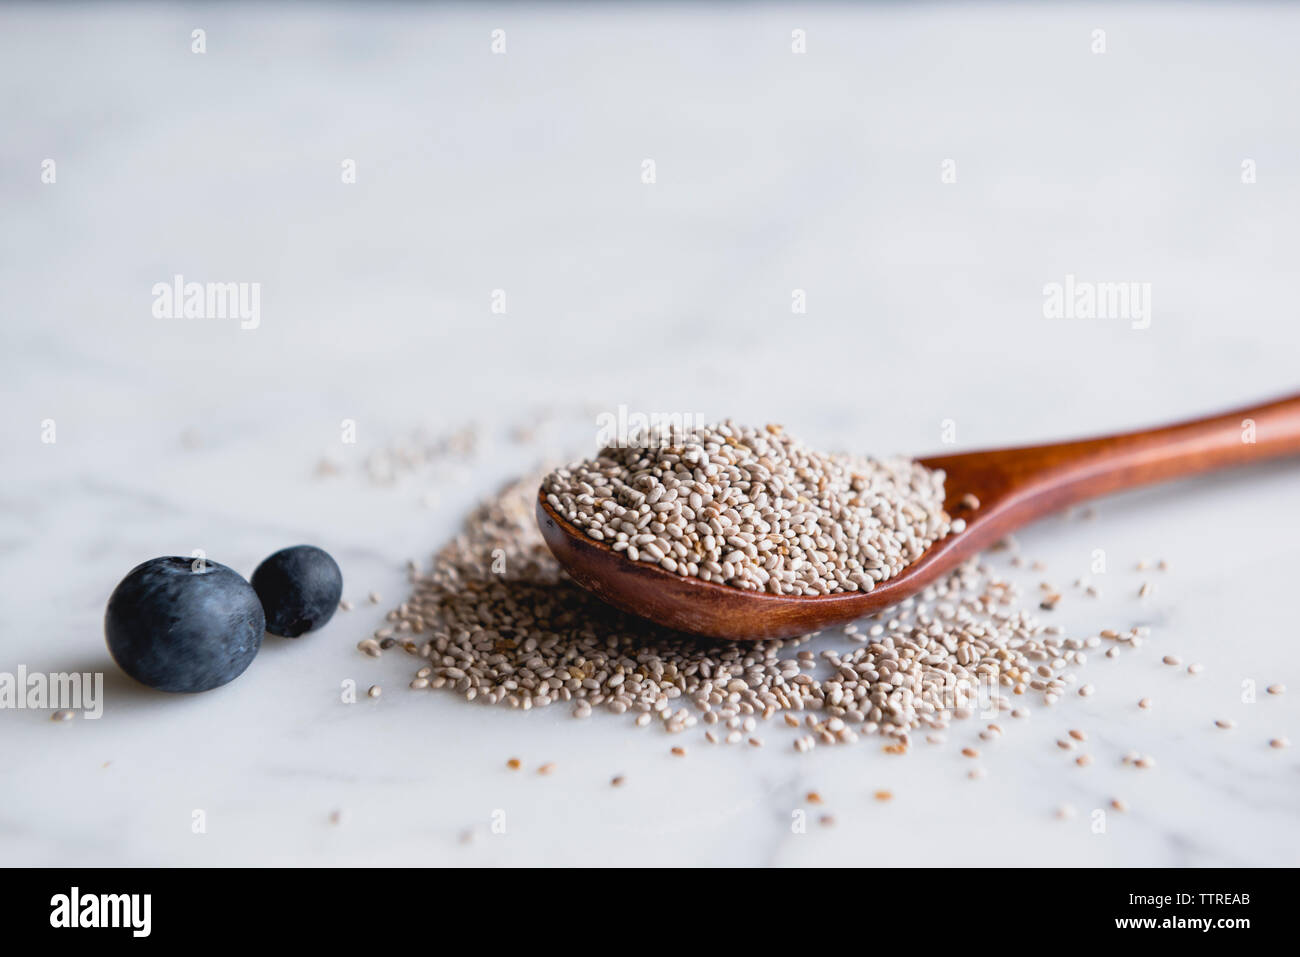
(181, 624)
(300, 588)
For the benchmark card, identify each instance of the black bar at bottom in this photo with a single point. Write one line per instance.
(374, 906)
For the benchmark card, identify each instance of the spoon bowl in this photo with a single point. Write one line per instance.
(994, 492)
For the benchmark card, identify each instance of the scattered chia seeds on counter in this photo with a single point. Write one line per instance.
(496, 620)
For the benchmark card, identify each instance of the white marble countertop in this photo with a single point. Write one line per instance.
(522, 172)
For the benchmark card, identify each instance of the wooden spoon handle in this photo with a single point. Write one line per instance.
(1043, 478)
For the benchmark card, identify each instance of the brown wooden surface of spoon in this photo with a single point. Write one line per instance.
(1014, 486)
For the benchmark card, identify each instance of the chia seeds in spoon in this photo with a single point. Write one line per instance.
(755, 509)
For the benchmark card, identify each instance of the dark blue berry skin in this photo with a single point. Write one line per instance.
(184, 625)
(300, 588)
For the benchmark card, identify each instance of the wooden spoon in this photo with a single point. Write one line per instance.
(1012, 486)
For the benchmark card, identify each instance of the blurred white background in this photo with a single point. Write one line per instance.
(478, 171)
